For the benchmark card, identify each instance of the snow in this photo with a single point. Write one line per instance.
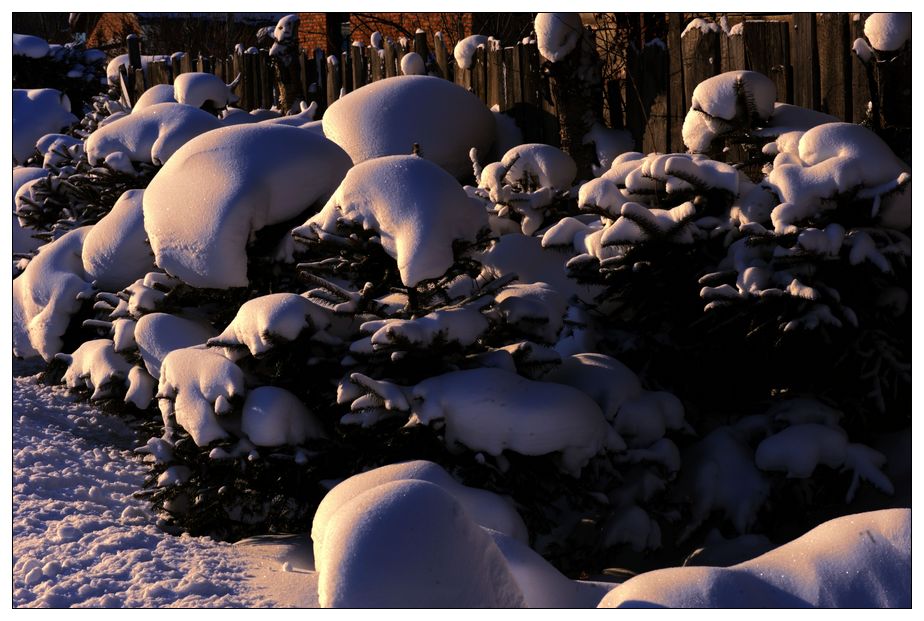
(115, 252)
(388, 117)
(157, 94)
(30, 46)
(838, 158)
(23, 242)
(509, 412)
(37, 112)
(534, 308)
(112, 69)
(718, 96)
(262, 323)
(46, 295)
(888, 32)
(158, 334)
(464, 52)
(198, 89)
(197, 385)
(199, 218)
(608, 144)
(703, 25)
(274, 416)
(539, 165)
(789, 118)
(413, 64)
(463, 325)
(81, 540)
(95, 366)
(855, 561)
(150, 135)
(417, 209)
(557, 34)
(410, 543)
(485, 508)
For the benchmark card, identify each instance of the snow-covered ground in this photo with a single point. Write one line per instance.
(81, 540)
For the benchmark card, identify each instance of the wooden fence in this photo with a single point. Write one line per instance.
(807, 55)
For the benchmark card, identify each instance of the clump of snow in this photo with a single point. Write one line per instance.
(417, 208)
(157, 94)
(197, 89)
(23, 242)
(199, 219)
(37, 112)
(485, 508)
(47, 294)
(115, 252)
(703, 25)
(463, 325)
(112, 69)
(557, 34)
(799, 449)
(150, 135)
(539, 166)
(509, 412)
(837, 158)
(30, 46)
(887, 32)
(274, 417)
(464, 51)
(262, 323)
(389, 117)
(722, 101)
(196, 386)
(158, 334)
(534, 308)
(410, 543)
(789, 118)
(608, 144)
(413, 64)
(855, 561)
(96, 366)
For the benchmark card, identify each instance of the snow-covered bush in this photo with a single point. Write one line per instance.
(37, 112)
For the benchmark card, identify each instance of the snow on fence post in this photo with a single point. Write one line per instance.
(766, 47)
(804, 48)
(834, 64)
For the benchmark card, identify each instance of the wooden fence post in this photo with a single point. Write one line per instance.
(858, 74)
(766, 48)
(804, 49)
(391, 54)
(495, 75)
(333, 80)
(359, 66)
(442, 56)
(676, 99)
(834, 65)
(701, 58)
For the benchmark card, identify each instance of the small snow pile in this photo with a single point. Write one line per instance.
(725, 101)
(557, 34)
(30, 46)
(198, 89)
(37, 112)
(150, 135)
(196, 387)
(416, 208)
(887, 32)
(493, 410)
(23, 242)
(115, 252)
(835, 159)
(413, 64)
(463, 325)
(204, 205)
(262, 323)
(46, 295)
(157, 94)
(855, 561)
(608, 144)
(703, 25)
(464, 52)
(275, 417)
(158, 334)
(389, 117)
(96, 366)
(410, 543)
(535, 308)
(485, 508)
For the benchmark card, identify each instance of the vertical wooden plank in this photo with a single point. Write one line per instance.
(346, 72)
(441, 55)
(250, 82)
(420, 46)
(359, 66)
(530, 121)
(732, 43)
(654, 98)
(304, 69)
(186, 64)
(511, 83)
(480, 74)
(333, 80)
(834, 64)
(858, 72)
(676, 99)
(320, 62)
(702, 58)
(766, 48)
(635, 117)
(803, 45)
(237, 70)
(391, 67)
(157, 72)
(376, 70)
(266, 81)
(495, 75)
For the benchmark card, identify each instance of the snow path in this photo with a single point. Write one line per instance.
(81, 540)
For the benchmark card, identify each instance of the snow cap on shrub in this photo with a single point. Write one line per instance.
(150, 135)
(389, 116)
(201, 209)
(416, 207)
(274, 416)
(197, 89)
(37, 112)
(410, 544)
(158, 334)
(557, 34)
(887, 32)
(115, 252)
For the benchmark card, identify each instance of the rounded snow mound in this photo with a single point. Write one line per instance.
(197, 89)
(274, 417)
(115, 253)
(37, 112)
(417, 208)
(484, 507)
(150, 135)
(855, 561)
(389, 116)
(157, 94)
(410, 544)
(28, 45)
(557, 34)
(887, 32)
(721, 96)
(202, 207)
